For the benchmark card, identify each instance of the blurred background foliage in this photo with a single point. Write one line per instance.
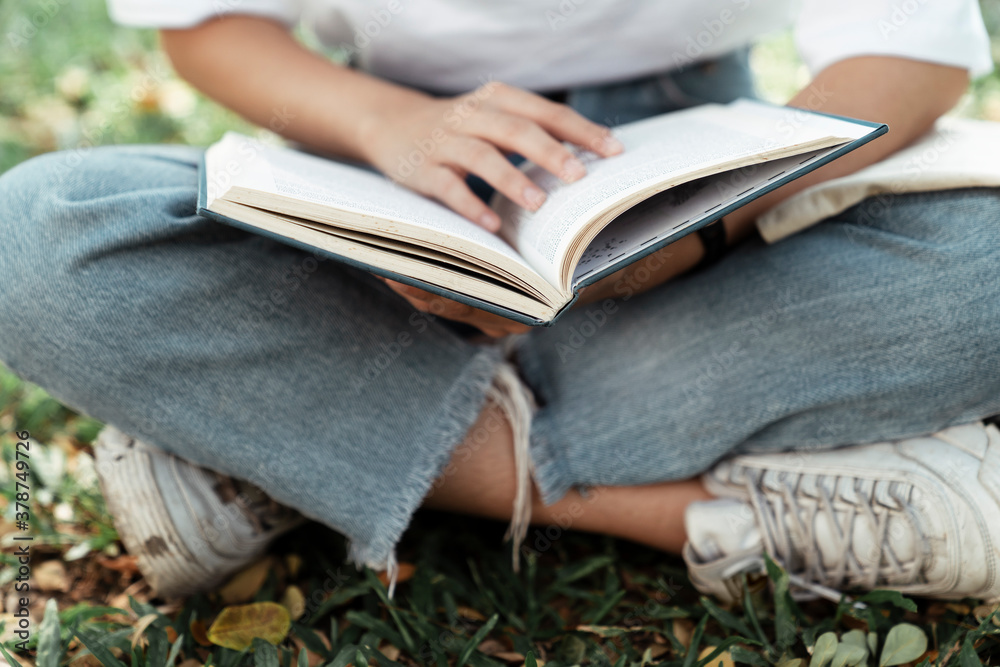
(69, 78)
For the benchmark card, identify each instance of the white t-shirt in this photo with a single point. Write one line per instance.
(457, 45)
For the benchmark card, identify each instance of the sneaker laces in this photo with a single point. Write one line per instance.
(790, 530)
(263, 512)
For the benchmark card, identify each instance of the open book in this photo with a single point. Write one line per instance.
(679, 172)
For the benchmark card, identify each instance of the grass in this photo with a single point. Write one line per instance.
(72, 80)
(579, 599)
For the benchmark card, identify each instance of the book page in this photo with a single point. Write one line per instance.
(663, 150)
(419, 266)
(672, 211)
(240, 162)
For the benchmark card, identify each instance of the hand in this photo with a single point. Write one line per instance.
(490, 324)
(431, 145)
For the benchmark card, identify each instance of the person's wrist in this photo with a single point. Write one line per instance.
(381, 117)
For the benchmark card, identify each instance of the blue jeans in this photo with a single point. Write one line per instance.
(319, 384)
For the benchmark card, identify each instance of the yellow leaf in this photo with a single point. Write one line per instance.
(294, 601)
(245, 584)
(236, 627)
(294, 563)
(389, 651)
(721, 660)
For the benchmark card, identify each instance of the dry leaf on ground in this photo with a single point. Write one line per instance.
(245, 583)
(51, 576)
(236, 627)
(294, 601)
(722, 660)
(405, 573)
(198, 632)
(683, 629)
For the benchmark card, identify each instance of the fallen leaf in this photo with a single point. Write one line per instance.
(171, 634)
(51, 576)
(245, 584)
(198, 633)
(313, 660)
(683, 629)
(404, 573)
(126, 564)
(294, 563)
(88, 660)
(294, 601)
(509, 656)
(603, 630)
(983, 612)
(722, 660)
(656, 650)
(935, 609)
(491, 647)
(236, 627)
(140, 627)
(389, 651)
(190, 662)
(138, 590)
(470, 614)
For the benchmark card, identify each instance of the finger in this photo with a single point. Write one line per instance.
(492, 332)
(431, 303)
(492, 324)
(558, 119)
(413, 295)
(507, 330)
(489, 323)
(408, 291)
(483, 159)
(417, 304)
(443, 184)
(499, 331)
(518, 134)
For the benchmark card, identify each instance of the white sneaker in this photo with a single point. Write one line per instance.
(189, 528)
(921, 516)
